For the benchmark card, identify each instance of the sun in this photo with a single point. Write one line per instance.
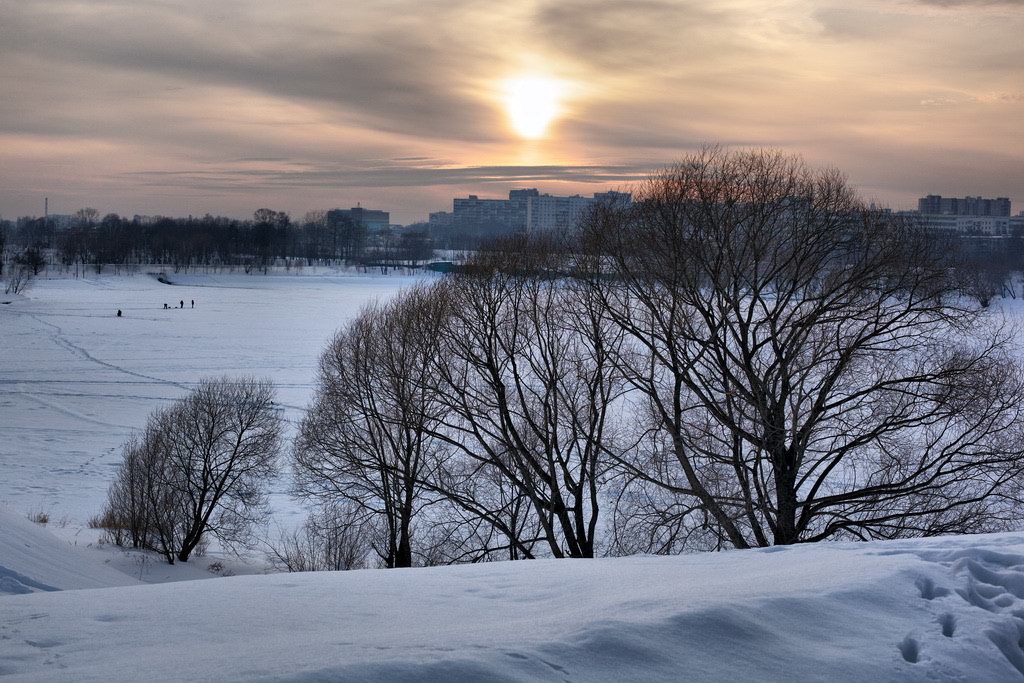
(531, 103)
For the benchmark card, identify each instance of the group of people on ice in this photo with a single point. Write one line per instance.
(181, 304)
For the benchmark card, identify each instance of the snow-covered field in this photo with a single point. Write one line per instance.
(75, 379)
(932, 610)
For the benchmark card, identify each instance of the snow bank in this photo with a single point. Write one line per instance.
(35, 558)
(942, 609)
(32, 560)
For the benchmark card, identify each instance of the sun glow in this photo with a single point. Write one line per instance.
(531, 103)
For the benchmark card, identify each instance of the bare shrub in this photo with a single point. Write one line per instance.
(332, 538)
(112, 527)
(19, 277)
(99, 521)
(38, 516)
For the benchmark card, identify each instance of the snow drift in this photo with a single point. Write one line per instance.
(941, 609)
(33, 560)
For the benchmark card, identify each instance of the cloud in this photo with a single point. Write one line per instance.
(972, 3)
(390, 176)
(617, 35)
(940, 102)
(384, 77)
(192, 106)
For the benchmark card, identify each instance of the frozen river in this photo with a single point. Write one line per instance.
(75, 379)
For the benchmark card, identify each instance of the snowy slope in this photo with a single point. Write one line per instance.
(941, 609)
(32, 560)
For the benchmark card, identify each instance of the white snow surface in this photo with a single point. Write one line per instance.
(938, 609)
(75, 379)
(32, 560)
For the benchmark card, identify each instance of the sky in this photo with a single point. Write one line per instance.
(182, 107)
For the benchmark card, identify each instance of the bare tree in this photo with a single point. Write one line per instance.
(985, 279)
(33, 258)
(3, 246)
(199, 469)
(527, 373)
(366, 437)
(314, 225)
(86, 218)
(127, 515)
(146, 504)
(224, 444)
(487, 516)
(804, 366)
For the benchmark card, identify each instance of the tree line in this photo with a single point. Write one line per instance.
(269, 238)
(747, 356)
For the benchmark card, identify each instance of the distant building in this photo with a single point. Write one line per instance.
(473, 214)
(548, 212)
(981, 226)
(441, 219)
(525, 209)
(371, 219)
(937, 205)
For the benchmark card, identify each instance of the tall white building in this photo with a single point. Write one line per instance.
(548, 212)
